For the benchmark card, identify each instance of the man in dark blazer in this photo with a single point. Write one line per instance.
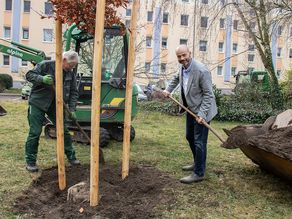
(197, 94)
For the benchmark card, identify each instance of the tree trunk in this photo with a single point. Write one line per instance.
(290, 85)
(277, 101)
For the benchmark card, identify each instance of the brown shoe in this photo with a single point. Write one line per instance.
(191, 179)
(189, 167)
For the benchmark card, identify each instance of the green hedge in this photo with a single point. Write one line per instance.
(249, 106)
(168, 106)
(6, 81)
(231, 109)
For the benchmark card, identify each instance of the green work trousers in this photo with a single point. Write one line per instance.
(36, 118)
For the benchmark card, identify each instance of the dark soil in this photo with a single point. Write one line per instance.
(276, 141)
(144, 194)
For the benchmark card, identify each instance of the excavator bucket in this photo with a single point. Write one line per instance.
(3, 112)
(268, 145)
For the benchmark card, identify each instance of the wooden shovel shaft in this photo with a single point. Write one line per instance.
(196, 117)
(83, 132)
(102, 160)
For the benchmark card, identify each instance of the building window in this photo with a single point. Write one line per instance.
(26, 6)
(184, 20)
(6, 60)
(250, 57)
(280, 30)
(186, 1)
(128, 12)
(252, 25)
(290, 53)
(48, 35)
(148, 41)
(222, 23)
(149, 16)
(235, 25)
(219, 70)
(204, 22)
(278, 73)
(127, 23)
(25, 33)
(205, 2)
(183, 41)
(8, 5)
(48, 8)
(163, 67)
(233, 71)
(251, 47)
(165, 18)
(203, 45)
(147, 66)
(164, 43)
(7, 32)
(234, 47)
(23, 63)
(221, 46)
(222, 2)
(290, 31)
(279, 52)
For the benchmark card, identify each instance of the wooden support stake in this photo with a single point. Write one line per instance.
(59, 107)
(129, 89)
(95, 110)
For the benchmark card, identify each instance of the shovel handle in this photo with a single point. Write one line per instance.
(102, 160)
(196, 117)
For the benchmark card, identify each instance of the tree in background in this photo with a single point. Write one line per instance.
(82, 12)
(260, 18)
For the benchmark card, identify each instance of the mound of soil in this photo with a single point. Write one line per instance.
(276, 141)
(142, 195)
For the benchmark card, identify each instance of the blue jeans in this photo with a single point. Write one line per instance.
(197, 136)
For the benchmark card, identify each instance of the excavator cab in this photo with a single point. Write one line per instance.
(113, 85)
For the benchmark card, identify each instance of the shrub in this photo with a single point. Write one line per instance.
(231, 109)
(2, 86)
(218, 95)
(6, 80)
(168, 107)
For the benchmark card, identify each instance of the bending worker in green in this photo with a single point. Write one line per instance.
(42, 101)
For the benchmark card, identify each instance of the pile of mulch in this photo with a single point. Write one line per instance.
(276, 141)
(144, 194)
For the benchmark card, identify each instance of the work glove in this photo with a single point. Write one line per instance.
(48, 79)
(72, 116)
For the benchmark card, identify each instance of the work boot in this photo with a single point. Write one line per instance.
(188, 167)
(75, 162)
(191, 179)
(32, 167)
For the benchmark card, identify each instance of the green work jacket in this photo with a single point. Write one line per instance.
(43, 95)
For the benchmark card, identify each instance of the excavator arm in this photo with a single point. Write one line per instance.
(20, 51)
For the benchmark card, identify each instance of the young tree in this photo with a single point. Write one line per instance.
(259, 18)
(82, 12)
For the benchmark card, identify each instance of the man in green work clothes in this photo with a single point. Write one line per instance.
(42, 101)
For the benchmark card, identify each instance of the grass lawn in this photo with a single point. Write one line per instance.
(234, 186)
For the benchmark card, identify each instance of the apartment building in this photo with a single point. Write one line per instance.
(216, 37)
(20, 21)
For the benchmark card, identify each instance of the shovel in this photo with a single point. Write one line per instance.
(101, 157)
(195, 116)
